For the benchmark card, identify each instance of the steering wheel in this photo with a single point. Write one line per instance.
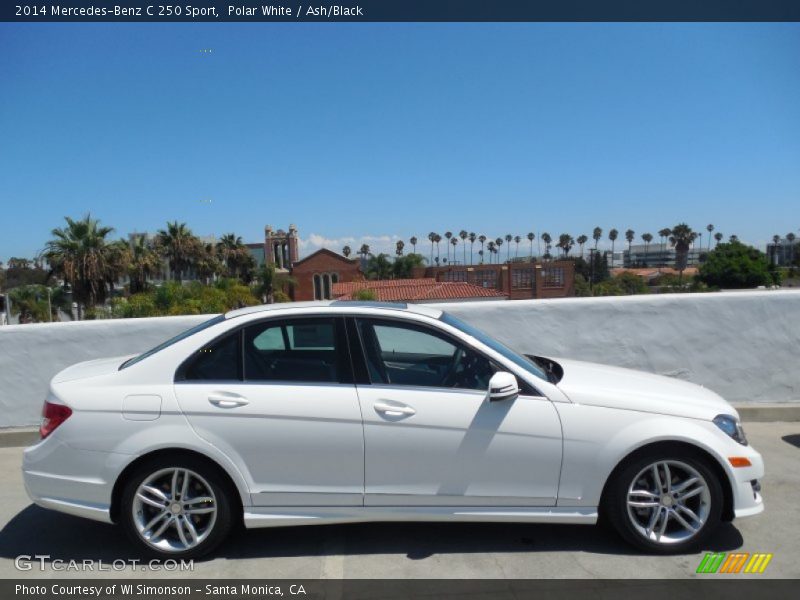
(450, 379)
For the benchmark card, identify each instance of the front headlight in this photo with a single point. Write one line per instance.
(731, 426)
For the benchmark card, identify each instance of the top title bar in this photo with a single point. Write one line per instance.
(365, 11)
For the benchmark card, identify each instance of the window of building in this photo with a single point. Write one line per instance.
(455, 275)
(521, 278)
(553, 277)
(326, 286)
(317, 287)
(410, 355)
(301, 350)
(485, 278)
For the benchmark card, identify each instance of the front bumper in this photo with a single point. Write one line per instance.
(77, 482)
(746, 485)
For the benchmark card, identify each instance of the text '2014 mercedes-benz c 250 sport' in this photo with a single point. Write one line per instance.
(335, 412)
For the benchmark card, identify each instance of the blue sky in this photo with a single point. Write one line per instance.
(370, 132)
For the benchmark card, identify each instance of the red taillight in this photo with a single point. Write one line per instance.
(53, 415)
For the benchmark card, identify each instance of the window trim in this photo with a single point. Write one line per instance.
(341, 347)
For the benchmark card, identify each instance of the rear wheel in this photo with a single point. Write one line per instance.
(665, 501)
(176, 508)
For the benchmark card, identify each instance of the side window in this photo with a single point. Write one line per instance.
(403, 354)
(299, 350)
(219, 361)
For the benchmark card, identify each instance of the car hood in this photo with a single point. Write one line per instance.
(626, 389)
(90, 368)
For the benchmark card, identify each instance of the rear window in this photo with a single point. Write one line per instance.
(181, 336)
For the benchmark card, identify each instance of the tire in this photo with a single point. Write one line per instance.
(692, 504)
(166, 518)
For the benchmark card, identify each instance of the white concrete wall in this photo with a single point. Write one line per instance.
(746, 345)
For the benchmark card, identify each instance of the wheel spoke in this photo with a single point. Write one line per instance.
(151, 523)
(174, 487)
(185, 486)
(157, 533)
(690, 512)
(663, 527)
(190, 528)
(653, 520)
(685, 484)
(150, 502)
(179, 528)
(155, 492)
(657, 478)
(199, 511)
(667, 478)
(198, 500)
(683, 521)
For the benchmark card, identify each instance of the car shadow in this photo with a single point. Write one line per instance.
(793, 439)
(36, 531)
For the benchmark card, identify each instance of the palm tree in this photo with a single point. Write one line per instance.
(646, 238)
(718, 237)
(480, 253)
(454, 243)
(517, 240)
(179, 246)
(472, 238)
(413, 241)
(565, 242)
(463, 234)
(498, 243)
(270, 280)
(347, 251)
(509, 237)
(143, 264)
(207, 263)
(681, 239)
(629, 235)
(234, 255)
(776, 239)
(364, 251)
(531, 237)
(448, 235)
(791, 237)
(546, 238)
(664, 234)
(597, 233)
(490, 246)
(432, 238)
(399, 247)
(482, 240)
(379, 267)
(709, 228)
(582, 239)
(612, 235)
(733, 238)
(80, 255)
(437, 239)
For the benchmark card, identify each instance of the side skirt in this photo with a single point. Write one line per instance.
(269, 516)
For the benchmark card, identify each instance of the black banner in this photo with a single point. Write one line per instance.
(362, 11)
(378, 589)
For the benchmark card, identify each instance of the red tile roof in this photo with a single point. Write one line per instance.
(395, 290)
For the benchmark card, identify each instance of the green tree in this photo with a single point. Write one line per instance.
(463, 234)
(81, 255)
(472, 237)
(403, 266)
(582, 239)
(681, 239)
(37, 303)
(399, 247)
(413, 242)
(735, 266)
(179, 246)
(530, 237)
(597, 233)
(646, 238)
(565, 242)
(235, 257)
(273, 285)
(379, 267)
(664, 235)
(365, 295)
(612, 235)
(143, 264)
(347, 251)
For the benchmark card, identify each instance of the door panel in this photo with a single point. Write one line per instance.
(299, 444)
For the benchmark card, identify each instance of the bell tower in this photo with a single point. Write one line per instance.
(281, 247)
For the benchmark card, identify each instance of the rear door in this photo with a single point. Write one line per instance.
(278, 397)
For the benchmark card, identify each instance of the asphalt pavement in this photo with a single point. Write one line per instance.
(421, 550)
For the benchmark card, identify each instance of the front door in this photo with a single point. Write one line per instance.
(275, 397)
(432, 438)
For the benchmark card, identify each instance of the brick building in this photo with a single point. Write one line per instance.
(317, 274)
(517, 280)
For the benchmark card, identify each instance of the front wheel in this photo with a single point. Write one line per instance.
(665, 502)
(176, 508)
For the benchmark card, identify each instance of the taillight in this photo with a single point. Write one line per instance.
(53, 415)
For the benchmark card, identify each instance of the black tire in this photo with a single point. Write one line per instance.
(208, 476)
(624, 520)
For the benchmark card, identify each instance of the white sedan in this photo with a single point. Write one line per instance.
(313, 413)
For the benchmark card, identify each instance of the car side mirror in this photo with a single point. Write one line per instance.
(503, 386)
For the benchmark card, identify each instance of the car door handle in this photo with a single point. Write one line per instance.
(227, 401)
(392, 410)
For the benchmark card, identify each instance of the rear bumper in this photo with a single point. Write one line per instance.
(76, 482)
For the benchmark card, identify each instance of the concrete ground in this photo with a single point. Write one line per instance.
(418, 550)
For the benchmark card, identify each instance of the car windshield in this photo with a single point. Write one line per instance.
(507, 352)
(181, 336)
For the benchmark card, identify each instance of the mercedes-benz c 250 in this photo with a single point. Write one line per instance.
(335, 412)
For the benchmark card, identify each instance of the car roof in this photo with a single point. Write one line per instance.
(338, 305)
